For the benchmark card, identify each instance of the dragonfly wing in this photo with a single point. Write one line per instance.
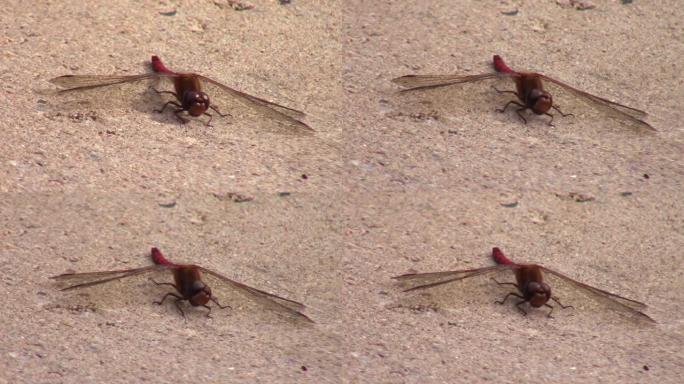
(88, 279)
(632, 115)
(280, 113)
(84, 82)
(616, 301)
(416, 281)
(415, 82)
(269, 300)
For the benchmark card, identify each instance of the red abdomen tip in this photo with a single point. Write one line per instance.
(500, 66)
(158, 66)
(499, 257)
(158, 258)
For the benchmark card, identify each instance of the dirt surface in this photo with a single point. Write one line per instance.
(389, 183)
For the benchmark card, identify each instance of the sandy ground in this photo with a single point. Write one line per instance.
(394, 183)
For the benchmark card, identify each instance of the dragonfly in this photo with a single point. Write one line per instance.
(188, 285)
(530, 93)
(530, 286)
(188, 93)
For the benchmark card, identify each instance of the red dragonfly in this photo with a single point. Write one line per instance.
(529, 91)
(188, 93)
(530, 285)
(188, 284)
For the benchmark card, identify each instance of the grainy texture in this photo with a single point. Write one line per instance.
(427, 181)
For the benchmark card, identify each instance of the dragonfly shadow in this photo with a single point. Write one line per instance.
(471, 294)
(133, 292)
(104, 101)
(476, 101)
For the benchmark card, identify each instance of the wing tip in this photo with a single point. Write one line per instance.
(305, 127)
(404, 276)
(305, 318)
(398, 80)
(61, 275)
(646, 317)
(295, 127)
(58, 80)
(648, 126)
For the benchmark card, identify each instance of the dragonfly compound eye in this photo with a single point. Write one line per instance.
(201, 293)
(196, 103)
(538, 293)
(198, 286)
(200, 298)
(541, 100)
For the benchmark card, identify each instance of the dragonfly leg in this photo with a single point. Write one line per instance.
(550, 312)
(178, 116)
(517, 111)
(160, 92)
(500, 91)
(513, 284)
(178, 301)
(550, 123)
(522, 108)
(507, 296)
(502, 110)
(219, 304)
(219, 112)
(208, 123)
(519, 308)
(171, 284)
(208, 313)
(166, 105)
(561, 304)
(557, 108)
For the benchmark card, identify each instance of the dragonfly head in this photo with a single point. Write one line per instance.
(540, 101)
(537, 294)
(201, 294)
(196, 103)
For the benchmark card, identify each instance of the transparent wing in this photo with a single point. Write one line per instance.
(79, 93)
(279, 113)
(269, 300)
(610, 299)
(87, 279)
(433, 279)
(612, 108)
(415, 82)
(84, 82)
